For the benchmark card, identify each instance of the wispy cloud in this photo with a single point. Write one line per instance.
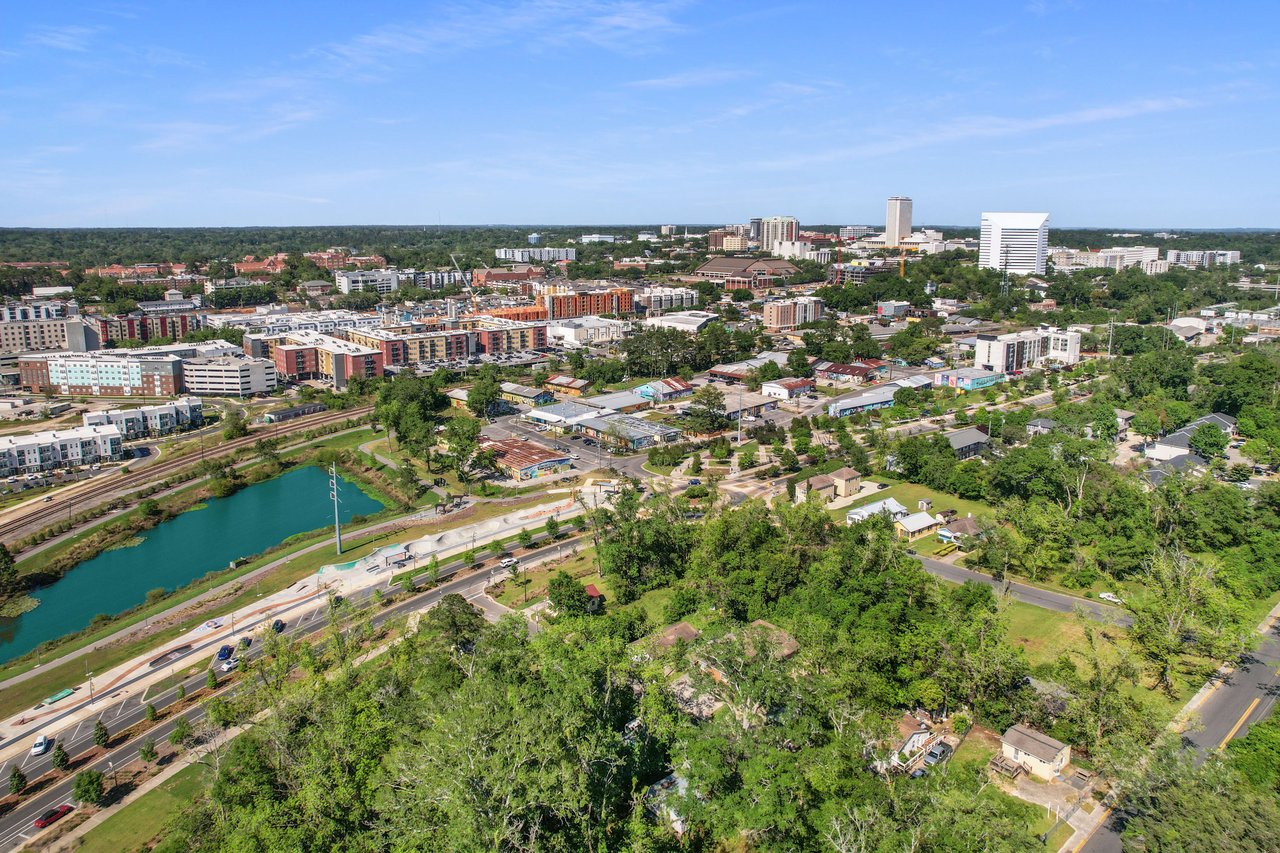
(183, 135)
(612, 24)
(74, 38)
(691, 79)
(983, 127)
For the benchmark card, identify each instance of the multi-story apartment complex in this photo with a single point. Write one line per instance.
(558, 306)
(64, 448)
(161, 419)
(101, 373)
(337, 257)
(666, 298)
(735, 243)
(304, 355)
(775, 228)
(444, 339)
(856, 232)
(787, 314)
(48, 333)
(145, 327)
(313, 321)
(1208, 258)
(371, 281)
(1017, 243)
(228, 376)
(1018, 351)
(524, 256)
(897, 220)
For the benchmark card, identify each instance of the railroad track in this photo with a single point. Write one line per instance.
(66, 506)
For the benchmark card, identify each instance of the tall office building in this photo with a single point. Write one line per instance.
(754, 230)
(1014, 242)
(775, 228)
(897, 220)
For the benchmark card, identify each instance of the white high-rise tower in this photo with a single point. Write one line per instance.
(1016, 243)
(897, 220)
(778, 228)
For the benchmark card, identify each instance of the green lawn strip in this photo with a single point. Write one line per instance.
(654, 604)
(531, 585)
(135, 825)
(1045, 635)
(977, 748)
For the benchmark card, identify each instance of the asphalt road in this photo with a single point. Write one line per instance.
(16, 825)
(1244, 697)
(1060, 602)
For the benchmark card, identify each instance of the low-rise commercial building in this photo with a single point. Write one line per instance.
(64, 448)
(969, 378)
(690, 322)
(568, 385)
(585, 331)
(527, 460)
(627, 432)
(665, 390)
(787, 389)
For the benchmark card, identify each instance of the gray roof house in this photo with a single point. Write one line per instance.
(968, 442)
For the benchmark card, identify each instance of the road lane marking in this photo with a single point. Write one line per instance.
(1240, 722)
(1101, 823)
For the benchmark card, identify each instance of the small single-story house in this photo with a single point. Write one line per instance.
(1178, 443)
(916, 526)
(457, 397)
(524, 395)
(665, 390)
(787, 389)
(820, 484)
(911, 739)
(1042, 755)
(1188, 465)
(1041, 426)
(567, 385)
(1123, 420)
(662, 798)
(968, 442)
(888, 506)
(960, 530)
(934, 363)
(681, 632)
(847, 481)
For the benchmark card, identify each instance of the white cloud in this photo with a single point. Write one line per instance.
(73, 38)
(690, 79)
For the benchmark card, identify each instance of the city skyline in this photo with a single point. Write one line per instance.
(609, 111)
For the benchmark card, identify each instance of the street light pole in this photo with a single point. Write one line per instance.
(333, 493)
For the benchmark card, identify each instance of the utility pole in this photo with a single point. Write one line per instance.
(333, 493)
(1111, 333)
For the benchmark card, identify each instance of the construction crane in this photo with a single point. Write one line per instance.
(466, 281)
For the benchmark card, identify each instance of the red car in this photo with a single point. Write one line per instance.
(53, 815)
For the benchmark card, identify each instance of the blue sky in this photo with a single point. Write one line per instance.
(1138, 112)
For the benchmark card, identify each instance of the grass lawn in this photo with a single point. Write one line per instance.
(136, 824)
(978, 747)
(909, 495)
(531, 586)
(1044, 635)
(654, 603)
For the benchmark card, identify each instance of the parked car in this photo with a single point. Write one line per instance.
(1111, 597)
(245, 642)
(229, 665)
(939, 753)
(41, 746)
(53, 815)
(277, 626)
(225, 652)
(695, 482)
(508, 562)
(574, 456)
